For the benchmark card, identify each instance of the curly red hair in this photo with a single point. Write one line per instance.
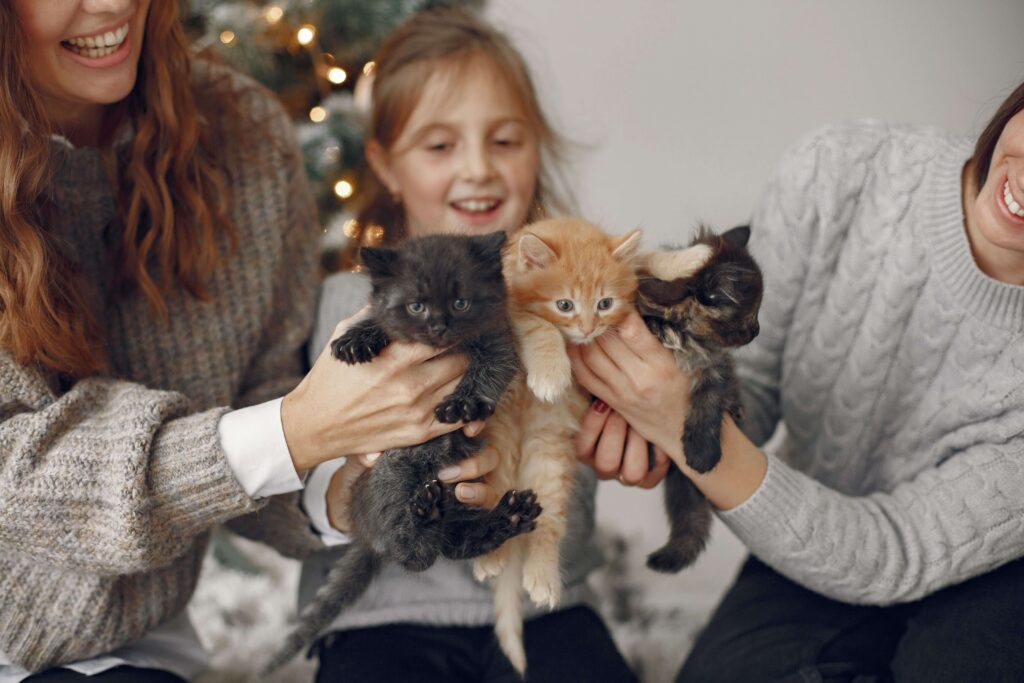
(171, 190)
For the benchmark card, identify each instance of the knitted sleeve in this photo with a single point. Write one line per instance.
(950, 523)
(109, 477)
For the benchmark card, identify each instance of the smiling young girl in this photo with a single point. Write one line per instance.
(459, 144)
(158, 267)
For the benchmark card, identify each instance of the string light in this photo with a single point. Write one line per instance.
(343, 189)
(273, 14)
(227, 37)
(368, 68)
(317, 114)
(376, 233)
(336, 75)
(350, 228)
(306, 34)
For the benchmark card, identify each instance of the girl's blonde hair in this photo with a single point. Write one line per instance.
(450, 39)
(171, 191)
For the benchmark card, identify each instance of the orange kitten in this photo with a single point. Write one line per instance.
(567, 282)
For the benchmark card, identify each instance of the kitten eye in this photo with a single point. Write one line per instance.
(416, 307)
(604, 304)
(708, 297)
(564, 305)
(460, 305)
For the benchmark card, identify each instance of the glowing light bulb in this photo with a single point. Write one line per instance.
(368, 68)
(350, 228)
(343, 189)
(273, 14)
(306, 34)
(227, 37)
(336, 75)
(317, 114)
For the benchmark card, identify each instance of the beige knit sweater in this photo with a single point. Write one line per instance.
(109, 489)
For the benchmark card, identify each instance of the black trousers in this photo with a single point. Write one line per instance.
(570, 646)
(768, 628)
(120, 674)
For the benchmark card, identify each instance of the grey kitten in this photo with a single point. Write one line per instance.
(444, 291)
(701, 316)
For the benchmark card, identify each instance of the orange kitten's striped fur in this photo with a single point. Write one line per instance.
(567, 282)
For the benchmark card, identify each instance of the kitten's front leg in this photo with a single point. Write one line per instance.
(360, 343)
(492, 365)
(703, 427)
(548, 371)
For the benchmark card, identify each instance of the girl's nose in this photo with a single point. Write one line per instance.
(476, 163)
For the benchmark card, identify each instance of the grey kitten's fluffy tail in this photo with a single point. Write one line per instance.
(346, 581)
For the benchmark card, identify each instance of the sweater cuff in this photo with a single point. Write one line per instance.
(764, 517)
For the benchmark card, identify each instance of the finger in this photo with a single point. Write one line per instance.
(602, 366)
(476, 494)
(621, 354)
(367, 460)
(473, 428)
(473, 467)
(633, 331)
(410, 353)
(440, 371)
(585, 376)
(343, 325)
(634, 459)
(608, 454)
(591, 424)
(662, 463)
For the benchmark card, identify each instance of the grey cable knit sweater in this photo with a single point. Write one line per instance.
(109, 488)
(896, 366)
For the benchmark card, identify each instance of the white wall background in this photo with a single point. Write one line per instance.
(683, 107)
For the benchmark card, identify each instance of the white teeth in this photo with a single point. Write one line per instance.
(476, 204)
(1011, 203)
(98, 46)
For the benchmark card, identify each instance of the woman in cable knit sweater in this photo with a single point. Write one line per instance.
(888, 524)
(158, 269)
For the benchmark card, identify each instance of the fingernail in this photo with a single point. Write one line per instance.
(465, 492)
(449, 473)
(371, 457)
(599, 406)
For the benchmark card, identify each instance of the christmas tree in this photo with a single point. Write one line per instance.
(315, 54)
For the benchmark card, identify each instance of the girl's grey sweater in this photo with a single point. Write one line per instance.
(896, 367)
(109, 488)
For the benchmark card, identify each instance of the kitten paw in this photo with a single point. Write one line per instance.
(520, 510)
(359, 346)
(490, 565)
(671, 559)
(702, 449)
(456, 408)
(551, 379)
(542, 579)
(426, 502)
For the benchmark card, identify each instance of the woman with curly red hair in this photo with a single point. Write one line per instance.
(158, 271)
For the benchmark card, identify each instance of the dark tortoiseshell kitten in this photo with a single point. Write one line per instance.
(444, 291)
(708, 307)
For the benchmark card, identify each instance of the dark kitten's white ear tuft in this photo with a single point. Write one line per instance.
(490, 244)
(380, 261)
(738, 236)
(627, 245)
(534, 253)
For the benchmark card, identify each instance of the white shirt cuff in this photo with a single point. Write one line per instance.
(314, 501)
(253, 441)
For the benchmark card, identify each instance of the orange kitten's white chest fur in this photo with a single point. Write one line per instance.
(568, 282)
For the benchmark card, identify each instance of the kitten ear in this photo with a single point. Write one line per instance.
(738, 236)
(380, 261)
(489, 244)
(665, 292)
(626, 246)
(534, 253)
